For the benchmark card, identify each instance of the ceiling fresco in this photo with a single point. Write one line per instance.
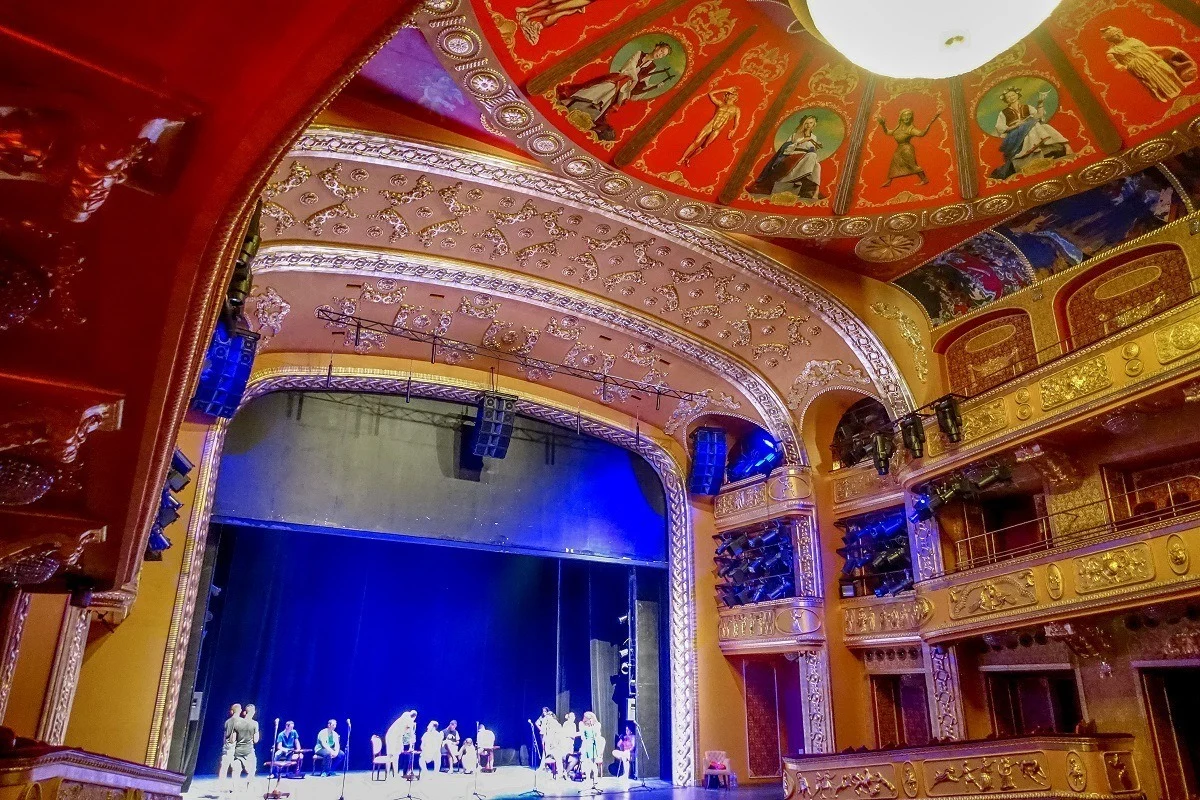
(726, 113)
(349, 202)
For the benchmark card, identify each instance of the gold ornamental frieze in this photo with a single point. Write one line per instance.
(761, 629)
(1075, 382)
(786, 490)
(988, 418)
(1178, 340)
(1119, 566)
(1001, 593)
(1032, 766)
(859, 483)
(886, 619)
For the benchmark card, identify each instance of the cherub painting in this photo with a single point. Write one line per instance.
(1027, 139)
(640, 71)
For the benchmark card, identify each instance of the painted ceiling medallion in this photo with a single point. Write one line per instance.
(885, 247)
(921, 38)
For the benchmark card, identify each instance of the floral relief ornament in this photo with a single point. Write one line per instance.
(270, 310)
(910, 333)
(819, 373)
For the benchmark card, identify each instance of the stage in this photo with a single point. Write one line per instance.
(505, 782)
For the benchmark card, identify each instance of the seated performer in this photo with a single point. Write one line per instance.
(450, 740)
(328, 752)
(468, 757)
(485, 740)
(553, 750)
(626, 748)
(431, 747)
(570, 736)
(287, 748)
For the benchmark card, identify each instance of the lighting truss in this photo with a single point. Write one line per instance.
(360, 324)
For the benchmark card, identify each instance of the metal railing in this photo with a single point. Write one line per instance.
(1121, 513)
(1077, 340)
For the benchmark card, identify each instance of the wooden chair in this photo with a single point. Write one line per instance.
(380, 762)
(717, 766)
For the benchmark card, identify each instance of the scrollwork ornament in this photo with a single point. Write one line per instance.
(1178, 555)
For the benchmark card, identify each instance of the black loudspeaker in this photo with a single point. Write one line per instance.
(708, 461)
(494, 417)
(225, 372)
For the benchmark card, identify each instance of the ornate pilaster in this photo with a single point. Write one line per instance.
(816, 701)
(945, 692)
(64, 675)
(14, 609)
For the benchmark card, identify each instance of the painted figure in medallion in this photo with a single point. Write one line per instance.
(1163, 71)
(904, 159)
(1025, 135)
(727, 112)
(643, 71)
(544, 13)
(795, 166)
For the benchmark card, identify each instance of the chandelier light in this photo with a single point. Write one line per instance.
(921, 38)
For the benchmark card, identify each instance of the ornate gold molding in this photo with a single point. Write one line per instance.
(873, 621)
(785, 490)
(777, 627)
(15, 612)
(862, 483)
(816, 700)
(1119, 566)
(681, 569)
(992, 594)
(1178, 340)
(1074, 382)
(64, 675)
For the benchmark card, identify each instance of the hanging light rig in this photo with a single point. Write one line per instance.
(880, 443)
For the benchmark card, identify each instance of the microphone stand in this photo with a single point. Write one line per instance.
(537, 755)
(478, 766)
(410, 774)
(637, 753)
(275, 794)
(345, 760)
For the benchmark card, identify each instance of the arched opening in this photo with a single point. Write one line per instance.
(855, 424)
(988, 351)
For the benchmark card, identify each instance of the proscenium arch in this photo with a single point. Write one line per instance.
(681, 577)
(365, 262)
(536, 182)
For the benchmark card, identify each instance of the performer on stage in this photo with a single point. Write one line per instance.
(552, 743)
(591, 746)
(328, 752)
(235, 713)
(468, 757)
(627, 744)
(401, 741)
(450, 739)
(287, 746)
(570, 736)
(245, 736)
(486, 741)
(431, 747)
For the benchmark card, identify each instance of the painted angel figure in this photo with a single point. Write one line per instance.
(1163, 71)
(904, 159)
(1025, 134)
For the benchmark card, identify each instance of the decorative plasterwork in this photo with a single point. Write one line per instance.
(16, 611)
(945, 694)
(451, 28)
(64, 675)
(776, 627)
(681, 570)
(482, 169)
(892, 619)
(816, 701)
(460, 275)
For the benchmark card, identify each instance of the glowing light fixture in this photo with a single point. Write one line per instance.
(921, 38)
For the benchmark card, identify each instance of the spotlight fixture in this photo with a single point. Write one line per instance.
(996, 474)
(168, 506)
(883, 448)
(912, 429)
(949, 417)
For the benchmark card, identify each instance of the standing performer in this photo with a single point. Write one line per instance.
(486, 741)
(552, 743)
(235, 713)
(727, 111)
(591, 748)
(245, 736)
(431, 747)
(328, 752)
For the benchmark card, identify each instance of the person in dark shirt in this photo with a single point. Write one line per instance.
(235, 713)
(287, 746)
(450, 745)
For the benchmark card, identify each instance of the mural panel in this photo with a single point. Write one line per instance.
(989, 353)
(908, 150)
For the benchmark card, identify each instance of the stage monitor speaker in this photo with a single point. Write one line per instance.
(494, 417)
(225, 372)
(708, 461)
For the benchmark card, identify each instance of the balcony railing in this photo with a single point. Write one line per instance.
(1122, 513)
(1079, 339)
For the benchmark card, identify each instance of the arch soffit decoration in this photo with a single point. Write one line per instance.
(681, 577)
(535, 183)
(420, 268)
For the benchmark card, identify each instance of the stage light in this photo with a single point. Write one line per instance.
(781, 589)
(623, 619)
(926, 505)
(912, 430)
(758, 454)
(949, 417)
(177, 476)
(884, 447)
(766, 539)
(996, 474)
(168, 510)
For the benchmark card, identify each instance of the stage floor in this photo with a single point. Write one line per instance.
(503, 784)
